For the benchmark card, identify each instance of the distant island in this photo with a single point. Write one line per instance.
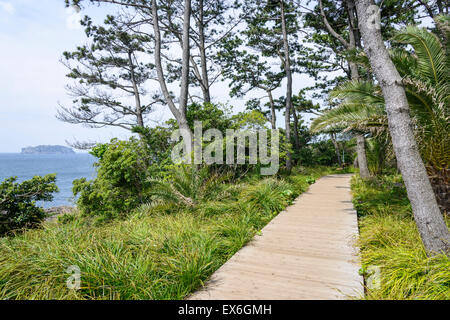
(47, 150)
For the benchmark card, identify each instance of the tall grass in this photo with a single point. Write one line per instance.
(390, 240)
(163, 250)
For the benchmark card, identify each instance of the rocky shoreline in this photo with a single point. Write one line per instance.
(54, 212)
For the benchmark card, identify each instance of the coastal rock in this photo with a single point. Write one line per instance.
(54, 212)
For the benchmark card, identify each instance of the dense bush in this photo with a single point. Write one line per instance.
(18, 208)
(121, 183)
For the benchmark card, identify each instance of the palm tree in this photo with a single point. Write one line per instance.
(425, 74)
(188, 186)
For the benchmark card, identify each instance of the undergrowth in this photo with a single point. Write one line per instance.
(389, 240)
(162, 250)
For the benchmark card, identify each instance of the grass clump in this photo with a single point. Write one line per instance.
(389, 239)
(164, 249)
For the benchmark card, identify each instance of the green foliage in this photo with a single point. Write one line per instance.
(105, 71)
(18, 208)
(248, 120)
(322, 153)
(212, 116)
(269, 196)
(247, 58)
(390, 240)
(428, 92)
(383, 193)
(324, 54)
(121, 183)
(245, 70)
(379, 154)
(158, 146)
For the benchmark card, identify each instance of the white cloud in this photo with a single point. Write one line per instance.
(7, 7)
(73, 19)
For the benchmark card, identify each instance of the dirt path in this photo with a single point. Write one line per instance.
(306, 252)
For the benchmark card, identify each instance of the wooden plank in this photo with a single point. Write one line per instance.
(307, 252)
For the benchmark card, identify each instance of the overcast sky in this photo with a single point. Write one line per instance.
(33, 36)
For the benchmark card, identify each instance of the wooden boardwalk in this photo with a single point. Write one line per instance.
(306, 252)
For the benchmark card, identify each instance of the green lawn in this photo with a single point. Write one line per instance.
(389, 240)
(160, 251)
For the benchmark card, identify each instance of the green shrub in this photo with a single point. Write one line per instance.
(18, 208)
(121, 184)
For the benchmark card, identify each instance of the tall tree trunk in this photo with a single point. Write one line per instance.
(202, 53)
(184, 91)
(137, 98)
(362, 159)
(440, 6)
(287, 66)
(430, 222)
(296, 135)
(353, 23)
(336, 148)
(204, 83)
(354, 40)
(180, 112)
(273, 116)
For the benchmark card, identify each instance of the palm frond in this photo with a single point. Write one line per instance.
(364, 92)
(350, 117)
(405, 62)
(188, 185)
(432, 63)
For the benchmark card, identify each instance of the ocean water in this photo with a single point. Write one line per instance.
(67, 167)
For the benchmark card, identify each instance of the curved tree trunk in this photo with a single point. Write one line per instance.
(180, 112)
(430, 222)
